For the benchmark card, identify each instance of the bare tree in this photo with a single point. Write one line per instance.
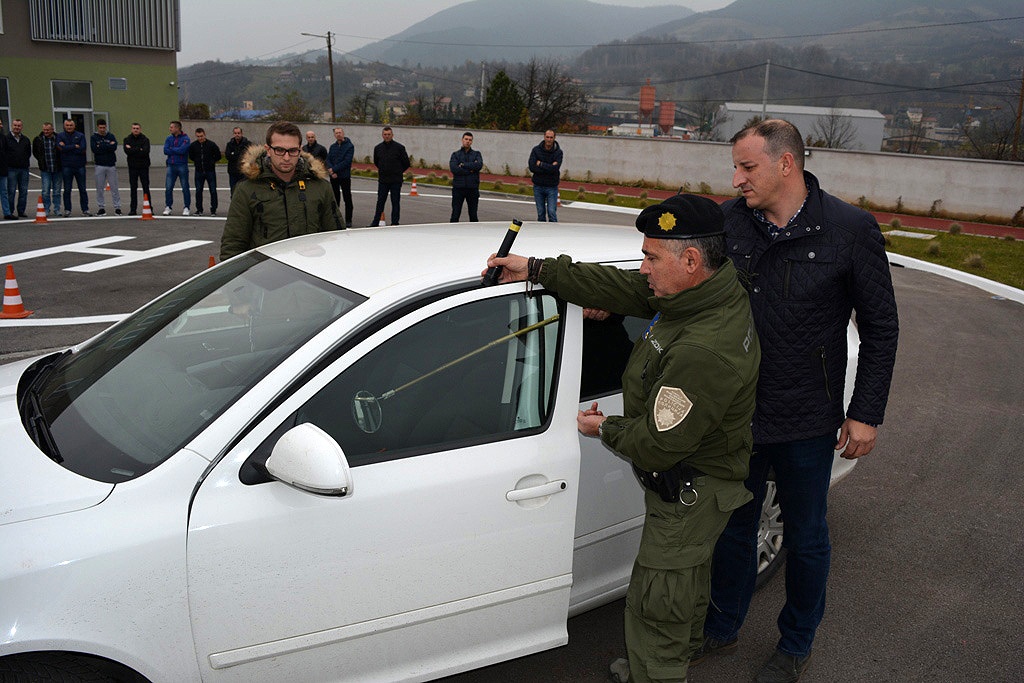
(552, 99)
(709, 119)
(833, 130)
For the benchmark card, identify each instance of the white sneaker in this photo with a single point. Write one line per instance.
(167, 211)
(185, 211)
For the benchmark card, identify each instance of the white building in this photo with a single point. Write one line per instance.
(868, 124)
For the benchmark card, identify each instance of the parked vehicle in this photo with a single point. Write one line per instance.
(337, 457)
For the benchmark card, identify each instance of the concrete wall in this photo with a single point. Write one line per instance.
(965, 186)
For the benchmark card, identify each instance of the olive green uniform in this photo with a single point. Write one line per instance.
(688, 395)
(265, 209)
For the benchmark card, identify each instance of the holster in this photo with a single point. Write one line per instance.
(670, 483)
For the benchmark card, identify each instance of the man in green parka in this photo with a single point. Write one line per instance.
(286, 193)
(688, 399)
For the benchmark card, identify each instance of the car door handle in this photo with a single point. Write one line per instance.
(536, 491)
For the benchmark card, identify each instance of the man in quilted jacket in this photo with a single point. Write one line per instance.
(807, 260)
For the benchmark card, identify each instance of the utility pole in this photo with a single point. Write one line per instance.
(764, 95)
(1016, 125)
(330, 69)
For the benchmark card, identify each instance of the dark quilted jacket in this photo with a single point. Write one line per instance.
(803, 287)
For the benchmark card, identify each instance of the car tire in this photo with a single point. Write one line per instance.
(59, 667)
(770, 553)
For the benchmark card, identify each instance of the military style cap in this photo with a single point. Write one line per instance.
(682, 217)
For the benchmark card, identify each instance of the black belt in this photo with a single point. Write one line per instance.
(674, 485)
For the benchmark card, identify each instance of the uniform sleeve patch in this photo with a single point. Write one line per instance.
(670, 408)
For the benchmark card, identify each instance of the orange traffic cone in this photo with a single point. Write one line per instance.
(213, 262)
(383, 221)
(413, 192)
(558, 198)
(147, 210)
(40, 211)
(13, 308)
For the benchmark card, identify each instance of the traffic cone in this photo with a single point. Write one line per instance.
(383, 221)
(558, 198)
(40, 211)
(213, 262)
(413, 192)
(147, 210)
(13, 308)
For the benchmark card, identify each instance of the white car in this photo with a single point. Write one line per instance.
(338, 457)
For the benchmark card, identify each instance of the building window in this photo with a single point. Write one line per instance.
(124, 23)
(72, 94)
(5, 103)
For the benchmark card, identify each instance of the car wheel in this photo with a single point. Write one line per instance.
(770, 553)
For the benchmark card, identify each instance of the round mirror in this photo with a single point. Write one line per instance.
(366, 412)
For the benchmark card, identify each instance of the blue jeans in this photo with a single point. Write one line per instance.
(203, 177)
(174, 172)
(802, 472)
(17, 180)
(51, 189)
(75, 175)
(547, 203)
(383, 190)
(3, 195)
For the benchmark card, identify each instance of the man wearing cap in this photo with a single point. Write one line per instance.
(688, 397)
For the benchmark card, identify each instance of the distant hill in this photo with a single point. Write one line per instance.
(475, 30)
(751, 19)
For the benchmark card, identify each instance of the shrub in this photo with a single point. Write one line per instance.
(432, 177)
(498, 187)
(705, 188)
(955, 228)
(933, 248)
(936, 208)
(974, 261)
(899, 204)
(1018, 218)
(589, 177)
(685, 188)
(862, 202)
(643, 195)
(508, 171)
(581, 194)
(367, 160)
(1009, 238)
(895, 224)
(522, 188)
(643, 203)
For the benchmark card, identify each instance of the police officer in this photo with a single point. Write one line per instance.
(688, 398)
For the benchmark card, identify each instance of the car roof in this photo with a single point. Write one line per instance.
(370, 260)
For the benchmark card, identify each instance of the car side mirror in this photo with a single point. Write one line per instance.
(307, 458)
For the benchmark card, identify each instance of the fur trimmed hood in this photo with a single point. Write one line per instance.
(254, 163)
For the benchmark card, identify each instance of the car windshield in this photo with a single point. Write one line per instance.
(139, 392)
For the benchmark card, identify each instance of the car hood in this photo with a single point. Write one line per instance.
(33, 485)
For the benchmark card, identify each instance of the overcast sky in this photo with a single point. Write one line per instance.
(266, 28)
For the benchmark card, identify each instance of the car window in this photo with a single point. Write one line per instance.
(478, 372)
(140, 391)
(606, 348)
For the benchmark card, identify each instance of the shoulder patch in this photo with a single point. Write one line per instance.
(670, 408)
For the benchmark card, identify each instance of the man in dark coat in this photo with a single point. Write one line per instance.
(546, 167)
(136, 149)
(392, 162)
(233, 152)
(807, 260)
(465, 165)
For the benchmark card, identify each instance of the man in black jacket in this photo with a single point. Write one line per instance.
(391, 161)
(465, 165)
(136, 149)
(19, 157)
(546, 166)
(807, 260)
(315, 148)
(233, 152)
(204, 155)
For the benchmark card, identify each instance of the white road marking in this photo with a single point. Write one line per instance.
(58, 322)
(120, 257)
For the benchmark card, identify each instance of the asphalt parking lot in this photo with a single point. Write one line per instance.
(927, 531)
